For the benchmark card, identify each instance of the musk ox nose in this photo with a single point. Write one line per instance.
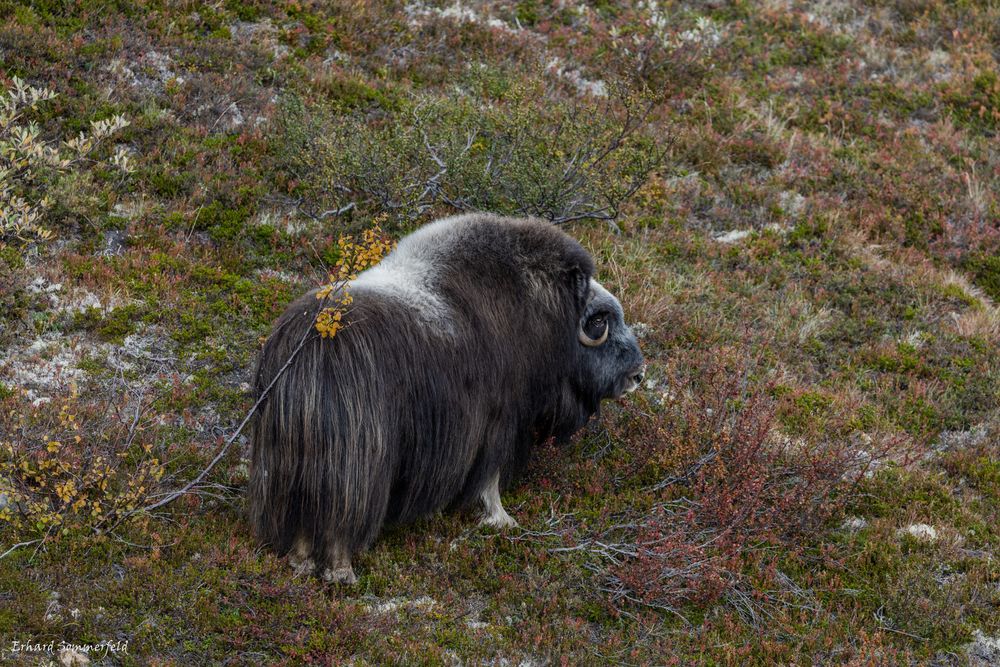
(632, 379)
(636, 375)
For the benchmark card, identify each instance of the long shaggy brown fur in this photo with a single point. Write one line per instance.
(461, 350)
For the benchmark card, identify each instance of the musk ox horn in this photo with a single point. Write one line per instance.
(594, 342)
(406, 411)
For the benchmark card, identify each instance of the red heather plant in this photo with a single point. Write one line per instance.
(730, 488)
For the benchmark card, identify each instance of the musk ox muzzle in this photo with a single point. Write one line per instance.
(477, 338)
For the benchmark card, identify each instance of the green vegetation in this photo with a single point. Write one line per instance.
(810, 474)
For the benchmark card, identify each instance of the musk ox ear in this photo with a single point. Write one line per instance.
(579, 283)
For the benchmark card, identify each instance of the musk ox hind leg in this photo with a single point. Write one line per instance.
(496, 515)
(338, 569)
(299, 558)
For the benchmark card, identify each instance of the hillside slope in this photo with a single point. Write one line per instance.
(795, 202)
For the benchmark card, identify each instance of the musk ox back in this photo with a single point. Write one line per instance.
(476, 338)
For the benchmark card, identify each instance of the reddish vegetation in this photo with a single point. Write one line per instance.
(728, 490)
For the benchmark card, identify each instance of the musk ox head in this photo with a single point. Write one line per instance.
(474, 340)
(610, 356)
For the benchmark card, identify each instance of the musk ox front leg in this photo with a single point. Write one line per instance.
(496, 515)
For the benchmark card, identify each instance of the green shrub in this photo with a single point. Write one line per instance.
(520, 154)
(986, 273)
(34, 172)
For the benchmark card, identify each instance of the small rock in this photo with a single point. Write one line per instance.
(792, 202)
(336, 56)
(641, 330)
(595, 88)
(241, 472)
(5, 488)
(732, 236)
(53, 608)
(955, 440)
(395, 604)
(80, 302)
(112, 243)
(854, 524)
(983, 650)
(921, 531)
(70, 657)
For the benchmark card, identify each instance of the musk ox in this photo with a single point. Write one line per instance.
(476, 338)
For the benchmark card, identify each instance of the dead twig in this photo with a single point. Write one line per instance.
(174, 495)
(18, 546)
(239, 429)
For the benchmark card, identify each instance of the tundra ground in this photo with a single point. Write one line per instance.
(795, 202)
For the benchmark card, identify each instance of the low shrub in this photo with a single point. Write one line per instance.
(31, 169)
(60, 471)
(511, 155)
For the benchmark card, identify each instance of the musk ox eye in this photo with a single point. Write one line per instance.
(595, 330)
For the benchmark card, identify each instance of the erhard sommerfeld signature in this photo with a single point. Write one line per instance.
(101, 648)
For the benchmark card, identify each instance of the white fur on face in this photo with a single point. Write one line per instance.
(597, 291)
(621, 343)
(635, 385)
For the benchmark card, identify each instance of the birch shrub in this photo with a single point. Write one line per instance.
(522, 153)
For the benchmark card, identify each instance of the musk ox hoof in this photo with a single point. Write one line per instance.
(301, 567)
(498, 521)
(340, 575)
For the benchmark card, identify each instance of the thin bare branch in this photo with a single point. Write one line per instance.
(232, 438)
(18, 546)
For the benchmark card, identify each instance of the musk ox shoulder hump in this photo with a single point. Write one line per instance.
(409, 275)
(479, 244)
